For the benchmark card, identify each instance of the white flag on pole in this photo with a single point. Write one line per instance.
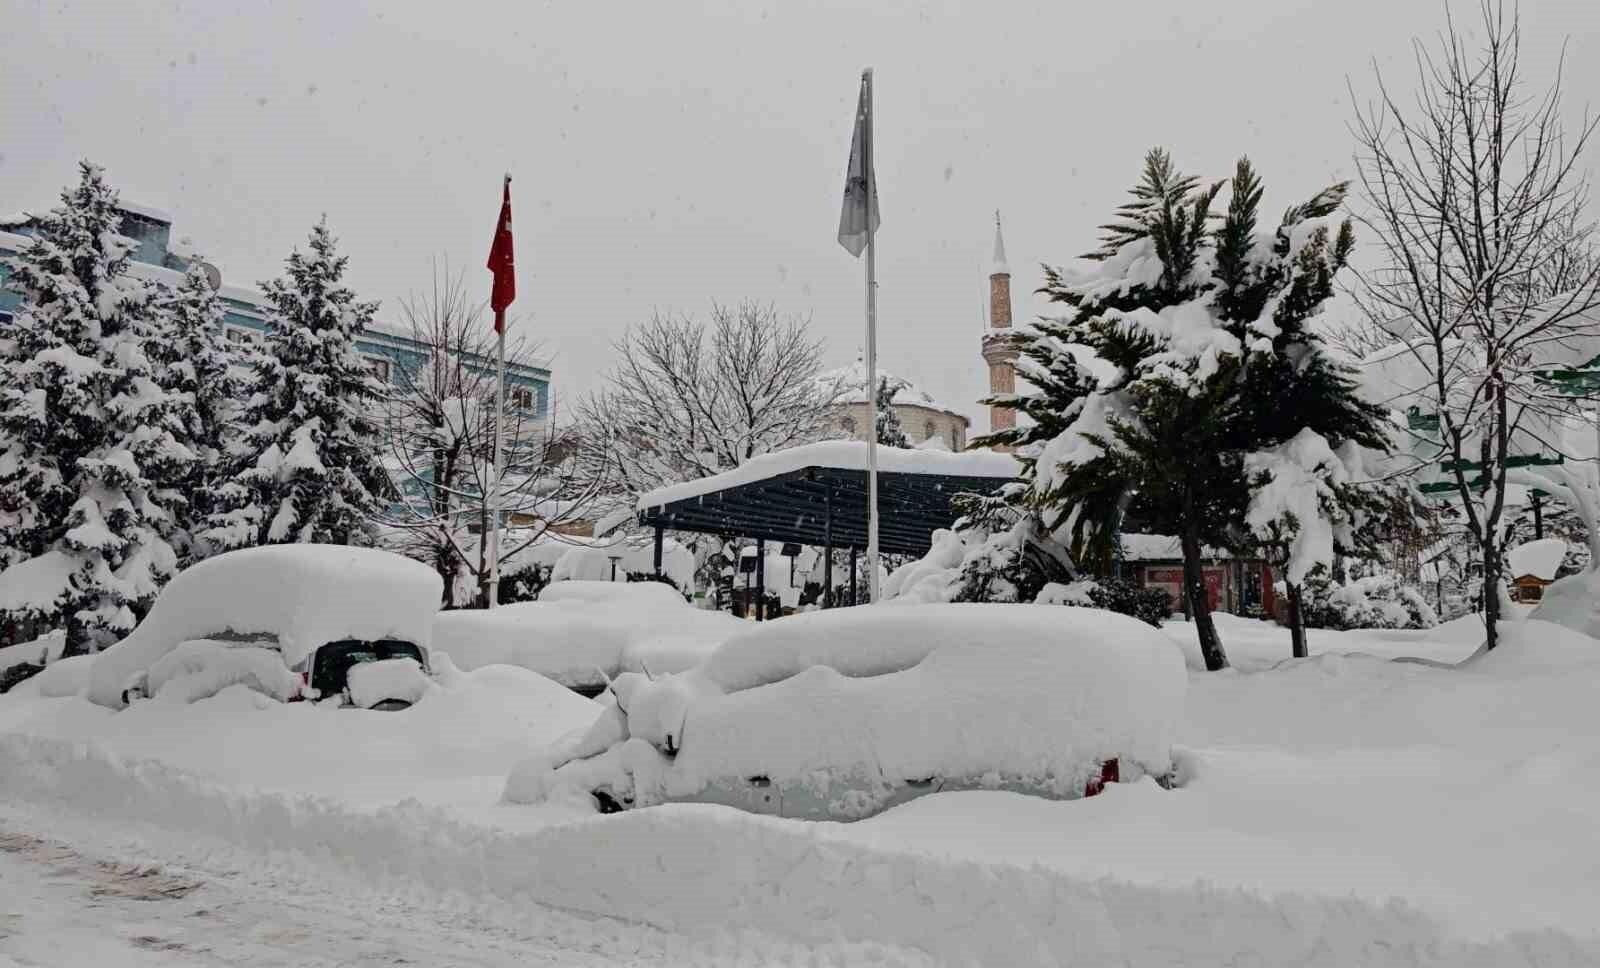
(858, 181)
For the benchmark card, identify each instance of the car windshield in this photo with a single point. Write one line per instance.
(330, 669)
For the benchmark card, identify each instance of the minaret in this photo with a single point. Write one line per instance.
(999, 348)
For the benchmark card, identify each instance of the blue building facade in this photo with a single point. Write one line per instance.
(386, 348)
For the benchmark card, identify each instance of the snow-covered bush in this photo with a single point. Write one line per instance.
(1378, 601)
(1148, 605)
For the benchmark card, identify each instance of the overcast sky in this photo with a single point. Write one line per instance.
(666, 158)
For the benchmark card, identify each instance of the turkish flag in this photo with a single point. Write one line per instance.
(503, 263)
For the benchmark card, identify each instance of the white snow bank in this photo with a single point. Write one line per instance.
(619, 594)
(302, 595)
(1572, 602)
(372, 682)
(582, 633)
(844, 455)
(1541, 559)
(816, 883)
(199, 669)
(64, 677)
(851, 704)
(453, 747)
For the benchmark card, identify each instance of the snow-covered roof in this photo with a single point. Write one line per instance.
(844, 455)
(1159, 547)
(146, 211)
(1541, 559)
(850, 382)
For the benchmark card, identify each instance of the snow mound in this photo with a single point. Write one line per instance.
(646, 594)
(810, 883)
(1572, 602)
(301, 595)
(583, 633)
(200, 669)
(64, 677)
(372, 682)
(840, 710)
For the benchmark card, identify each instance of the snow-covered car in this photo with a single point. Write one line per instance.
(840, 714)
(290, 621)
(583, 633)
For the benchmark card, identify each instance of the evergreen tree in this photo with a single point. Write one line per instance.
(307, 467)
(84, 429)
(890, 432)
(1178, 308)
(196, 366)
(1309, 433)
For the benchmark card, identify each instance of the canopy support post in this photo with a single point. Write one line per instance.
(854, 598)
(761, 579)
(658, 550)
(827, 547)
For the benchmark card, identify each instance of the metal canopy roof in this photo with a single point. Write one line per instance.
(793, 506)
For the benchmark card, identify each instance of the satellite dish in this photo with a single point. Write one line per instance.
(213, 275)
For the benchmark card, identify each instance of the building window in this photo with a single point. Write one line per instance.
(848, 425)
(955, 438)
(241, 336)
(379, 367)
(521, 398)
(929, 431)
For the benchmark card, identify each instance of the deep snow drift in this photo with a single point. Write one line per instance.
(1338, 810)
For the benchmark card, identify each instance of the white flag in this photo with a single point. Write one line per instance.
(858, 181)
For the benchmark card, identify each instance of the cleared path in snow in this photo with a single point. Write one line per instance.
(62, 908)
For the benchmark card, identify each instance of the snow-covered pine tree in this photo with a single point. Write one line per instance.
(194, 364)
(308, 465)
(83, 429)
(890, 432)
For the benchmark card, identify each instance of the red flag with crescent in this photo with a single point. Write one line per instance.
(503, 263)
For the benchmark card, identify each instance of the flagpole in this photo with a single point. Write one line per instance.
(494, 499)
(872, 351)
(499, 434)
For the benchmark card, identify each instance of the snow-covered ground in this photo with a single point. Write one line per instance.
(1339, 810)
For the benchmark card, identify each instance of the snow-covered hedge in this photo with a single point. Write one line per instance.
(974, 565)
(1148, 605)
(1379, 601)
(841, 712)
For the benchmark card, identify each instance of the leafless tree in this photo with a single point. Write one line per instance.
(1476, 193)
(689, 399)
(440, 429)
